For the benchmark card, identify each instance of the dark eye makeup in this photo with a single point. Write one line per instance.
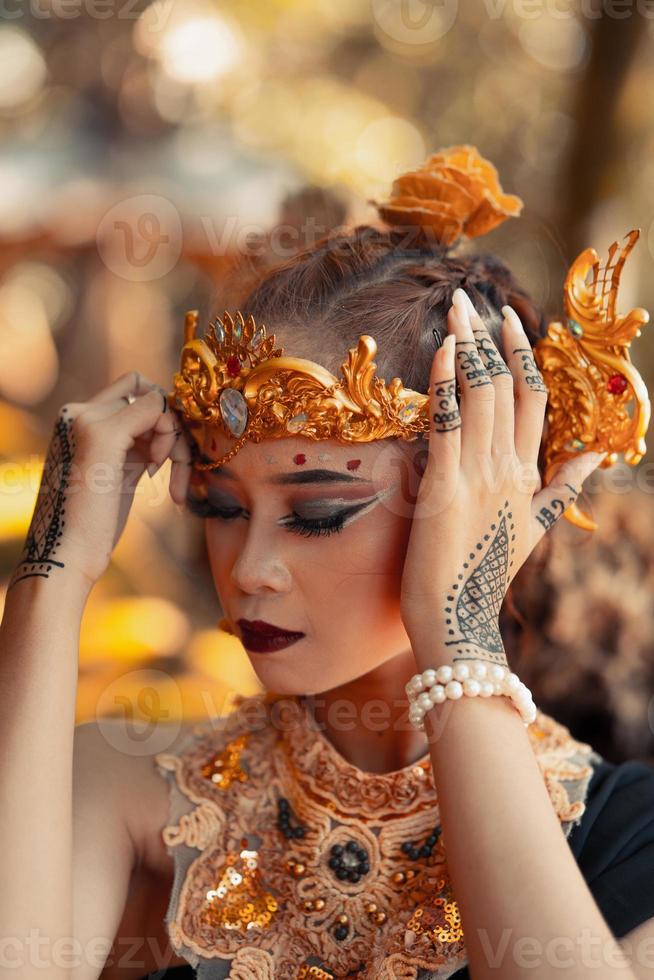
(329, 524)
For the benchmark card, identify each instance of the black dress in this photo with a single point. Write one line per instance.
(613, 846)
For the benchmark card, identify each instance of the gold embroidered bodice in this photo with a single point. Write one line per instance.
(290, 862)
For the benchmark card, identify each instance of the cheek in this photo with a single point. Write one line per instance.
(222, 548)
(369, 559)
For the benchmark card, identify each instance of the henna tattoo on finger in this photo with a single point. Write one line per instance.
(477, 595)
(531, 374)
(46, 526)
(471, 364)
(549, 515)
(448, 417)
(489, 354)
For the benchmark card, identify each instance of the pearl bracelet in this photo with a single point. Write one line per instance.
(437, 684)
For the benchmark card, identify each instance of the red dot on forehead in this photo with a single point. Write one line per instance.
(353, 464)
(299, 458)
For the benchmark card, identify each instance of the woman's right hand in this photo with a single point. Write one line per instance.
(98, 452)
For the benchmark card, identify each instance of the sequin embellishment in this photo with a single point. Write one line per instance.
(225, 767)
(239, 900)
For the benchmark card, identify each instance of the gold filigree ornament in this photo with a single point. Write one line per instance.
(597, 399)
(237, 379)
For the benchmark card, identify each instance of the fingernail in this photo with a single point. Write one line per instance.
(513, 319)
(470, 305)
(448, 344)
(460, 305)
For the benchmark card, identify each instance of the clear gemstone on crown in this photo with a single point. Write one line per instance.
(296, 423)
(234, 411)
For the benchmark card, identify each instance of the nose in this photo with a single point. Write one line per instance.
(259, 567)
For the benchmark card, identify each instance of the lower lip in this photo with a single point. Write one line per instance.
(264, 643)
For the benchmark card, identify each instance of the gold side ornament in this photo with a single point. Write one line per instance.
(597, 399)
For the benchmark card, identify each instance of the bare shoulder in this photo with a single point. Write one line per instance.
(109, 751)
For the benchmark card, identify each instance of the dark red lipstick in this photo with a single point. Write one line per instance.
(261, 637)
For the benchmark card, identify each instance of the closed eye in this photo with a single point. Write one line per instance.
(330, 524)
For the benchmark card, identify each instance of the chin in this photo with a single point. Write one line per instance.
(289, 679)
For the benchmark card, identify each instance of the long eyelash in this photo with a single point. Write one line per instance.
(201, 507)
(324, 525)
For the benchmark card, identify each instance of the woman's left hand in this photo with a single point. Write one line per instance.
(480, 509)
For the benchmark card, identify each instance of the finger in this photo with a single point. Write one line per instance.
(178, 448)
(130, 383)
(550, 503)
(500, 375)
(141, 416)
(180, 474)
(531, 392)
(477, 392)
(445, 431)
(167, 431)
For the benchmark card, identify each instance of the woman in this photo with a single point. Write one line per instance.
(303, 835)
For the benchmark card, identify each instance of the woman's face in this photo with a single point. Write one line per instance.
(311, 537)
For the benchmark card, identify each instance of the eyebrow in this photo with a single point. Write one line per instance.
(301, 476)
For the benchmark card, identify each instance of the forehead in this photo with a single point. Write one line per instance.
(285, 461)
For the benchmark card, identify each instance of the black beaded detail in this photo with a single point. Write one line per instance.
(424, 851)
(349, 862)
(284, 820)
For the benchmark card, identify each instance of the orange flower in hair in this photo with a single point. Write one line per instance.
(455, 192)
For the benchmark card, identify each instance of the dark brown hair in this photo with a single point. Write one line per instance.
(388, 283)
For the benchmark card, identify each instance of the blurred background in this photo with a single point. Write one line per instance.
(149, 147)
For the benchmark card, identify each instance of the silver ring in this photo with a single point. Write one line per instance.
(129, 398)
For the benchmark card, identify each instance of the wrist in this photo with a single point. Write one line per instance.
(65, 588)
(432, 650)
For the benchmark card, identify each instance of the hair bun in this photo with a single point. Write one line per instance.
(455, 192)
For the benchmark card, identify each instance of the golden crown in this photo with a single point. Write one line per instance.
(237, 378)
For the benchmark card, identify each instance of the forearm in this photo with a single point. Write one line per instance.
(39, 644)
(526, 909)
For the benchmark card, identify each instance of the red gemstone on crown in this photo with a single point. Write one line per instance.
(233, 366)
(616, 384)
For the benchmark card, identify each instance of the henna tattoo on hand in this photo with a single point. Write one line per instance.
(471, 364)
(477, 596)
(547, 516)
(532, 375)
(46, 526)
(448, 417)
(490, 355)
